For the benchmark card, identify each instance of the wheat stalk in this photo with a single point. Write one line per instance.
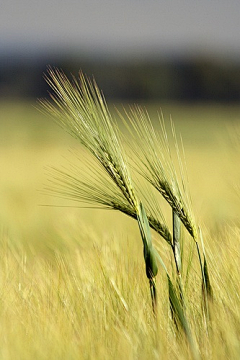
(81, 109)
(95, 189)
(154, 163)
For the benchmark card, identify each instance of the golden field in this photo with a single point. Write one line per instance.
(72, 280)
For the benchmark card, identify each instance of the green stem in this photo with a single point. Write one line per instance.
(177, 252)
(153, 292)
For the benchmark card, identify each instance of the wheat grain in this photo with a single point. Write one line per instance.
(154, 162)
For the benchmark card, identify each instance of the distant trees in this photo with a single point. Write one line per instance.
(182, 80)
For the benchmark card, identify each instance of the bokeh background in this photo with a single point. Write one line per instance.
(136, 49)
(180, 57)
(72, 280)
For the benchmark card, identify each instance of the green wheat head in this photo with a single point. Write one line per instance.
(80, 108)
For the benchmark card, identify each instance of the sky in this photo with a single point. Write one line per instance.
(121, 29)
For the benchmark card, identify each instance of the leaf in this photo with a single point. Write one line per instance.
(207, 279)
(176, 241)
(148, 249)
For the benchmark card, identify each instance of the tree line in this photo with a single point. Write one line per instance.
(177, 80)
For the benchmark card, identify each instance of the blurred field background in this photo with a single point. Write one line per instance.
(72, 281)
(31, 141)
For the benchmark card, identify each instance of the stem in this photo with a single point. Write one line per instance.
(177, 252)
(176, 242)
(204, 289)
(153, 292)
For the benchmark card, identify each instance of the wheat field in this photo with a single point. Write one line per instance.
(72, 280)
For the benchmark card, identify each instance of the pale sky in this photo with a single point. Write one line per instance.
(121, 28)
